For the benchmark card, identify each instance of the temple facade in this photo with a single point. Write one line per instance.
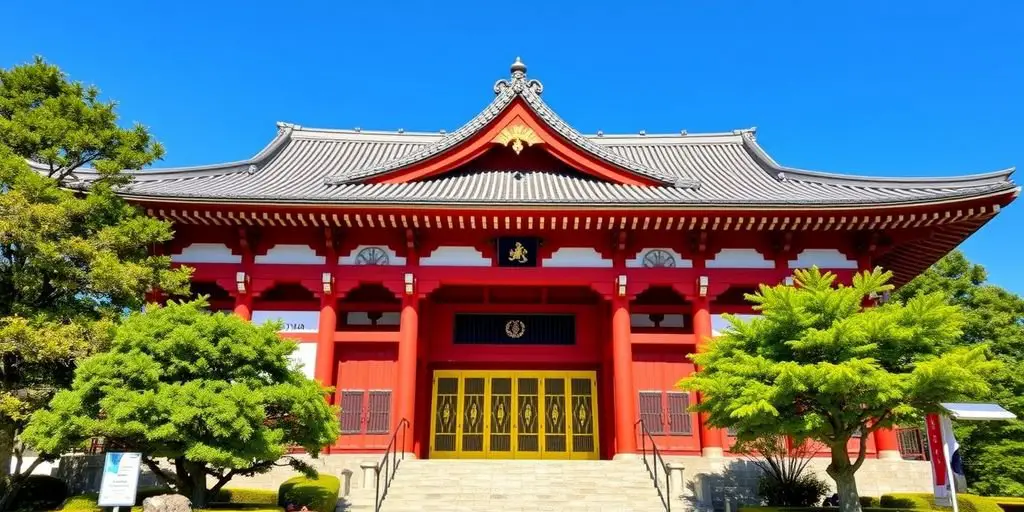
(517, 289)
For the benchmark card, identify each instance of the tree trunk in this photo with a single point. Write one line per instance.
(843, 473)
(197, 483)
(8, 432)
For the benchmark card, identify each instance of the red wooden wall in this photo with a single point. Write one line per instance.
(365, 390)
(662, 406)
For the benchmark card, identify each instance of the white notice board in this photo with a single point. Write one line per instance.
(120, 479)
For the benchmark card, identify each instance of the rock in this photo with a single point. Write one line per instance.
(167, 503)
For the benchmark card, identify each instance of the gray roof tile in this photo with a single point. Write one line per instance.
(303, 165)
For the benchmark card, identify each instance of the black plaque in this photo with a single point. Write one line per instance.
(517, 251)
(511, 329)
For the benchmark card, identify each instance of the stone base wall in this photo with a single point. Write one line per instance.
(709, 482)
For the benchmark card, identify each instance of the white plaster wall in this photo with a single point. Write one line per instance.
(455, 257)
(739, 258)
(294, 321)
(305, 358)
(823, 258)
(44, 468)
(638, 261)
(393, 257)
(576, 257)
(206, 253)
(293, 254)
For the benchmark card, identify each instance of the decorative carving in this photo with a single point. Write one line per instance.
(657, 258)
(515, 329)
(518, 134)
(372, 256)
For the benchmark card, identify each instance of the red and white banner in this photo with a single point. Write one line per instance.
(940, 472)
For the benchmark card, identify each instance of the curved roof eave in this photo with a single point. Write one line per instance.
(783, 173)
(283, 136)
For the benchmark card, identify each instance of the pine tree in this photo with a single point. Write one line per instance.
(70, 263)
(819, 365)
(212, 394)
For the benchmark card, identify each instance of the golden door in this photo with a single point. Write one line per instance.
(514, 414)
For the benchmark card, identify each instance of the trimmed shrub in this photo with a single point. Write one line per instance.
(249, 496)
(907, 501)
(318, 494)
(868, 502)
(812, 509)
(925, 501)
(40, 492)
(806, 491)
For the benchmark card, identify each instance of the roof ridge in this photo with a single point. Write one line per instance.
(506, 90)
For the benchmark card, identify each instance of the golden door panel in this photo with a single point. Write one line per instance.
(514, 414)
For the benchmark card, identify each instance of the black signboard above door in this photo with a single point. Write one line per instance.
(512, 329)
(520, 251)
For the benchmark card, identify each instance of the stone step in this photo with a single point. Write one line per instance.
(534, 485)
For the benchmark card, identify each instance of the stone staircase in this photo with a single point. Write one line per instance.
(518, 485)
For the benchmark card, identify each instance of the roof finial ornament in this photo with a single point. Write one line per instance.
(518, 67)
(518, 84)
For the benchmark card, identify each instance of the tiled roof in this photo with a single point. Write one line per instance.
(303, 165)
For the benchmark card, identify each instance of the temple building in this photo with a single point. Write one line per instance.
(518, 289)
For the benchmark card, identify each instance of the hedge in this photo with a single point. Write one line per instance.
(247, 496)
(814, 509)
(319, 494)
(926, 501)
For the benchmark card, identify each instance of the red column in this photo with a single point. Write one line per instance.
(887, 445)
(710, 438)
(408, 339)
(243, 306)
(325, 363)
(622, 361)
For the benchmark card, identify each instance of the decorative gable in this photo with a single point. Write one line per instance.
(516, 119)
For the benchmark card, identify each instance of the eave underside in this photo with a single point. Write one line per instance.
(917, 237)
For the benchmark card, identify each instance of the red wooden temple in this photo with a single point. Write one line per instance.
(518, 289)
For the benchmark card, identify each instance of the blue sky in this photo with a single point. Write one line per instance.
(870, 87)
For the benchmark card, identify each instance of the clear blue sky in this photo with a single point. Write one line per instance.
(870, 87)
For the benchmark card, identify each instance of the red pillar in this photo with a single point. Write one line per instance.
(325, 363)
(622, 361)
(887, 445)
(243, 306)
(408, 339)
(710, 438)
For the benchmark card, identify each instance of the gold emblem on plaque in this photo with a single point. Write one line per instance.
(518, 253)
(518, 134)
(515, 329)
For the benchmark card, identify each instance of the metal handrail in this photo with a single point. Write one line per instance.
(655, 463)
(389, 464)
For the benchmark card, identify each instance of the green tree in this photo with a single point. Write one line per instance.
(817, 365)
(70, 263)
(213, 394)
(993, 452)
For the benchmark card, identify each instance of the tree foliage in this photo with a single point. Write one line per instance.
(817, 365)
(70, 263)
(993, 452)
(213, 394)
